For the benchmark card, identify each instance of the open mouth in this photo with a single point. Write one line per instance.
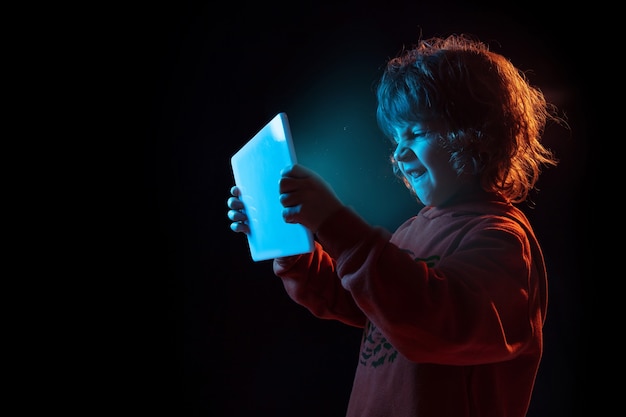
(415, 173)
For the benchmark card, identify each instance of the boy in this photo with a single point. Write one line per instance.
(452, 304)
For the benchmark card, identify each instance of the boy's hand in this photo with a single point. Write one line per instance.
(307, 199)
(237, 213)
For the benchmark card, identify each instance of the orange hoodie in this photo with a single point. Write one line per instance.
(452, 306)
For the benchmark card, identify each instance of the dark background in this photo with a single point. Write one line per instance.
(213, 333)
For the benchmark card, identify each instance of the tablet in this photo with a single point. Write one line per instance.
(256, 168)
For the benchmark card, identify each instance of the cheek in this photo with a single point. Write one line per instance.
(435, 159)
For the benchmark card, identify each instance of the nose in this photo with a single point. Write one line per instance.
(402, 152)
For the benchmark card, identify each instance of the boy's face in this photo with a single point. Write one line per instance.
(426, 165)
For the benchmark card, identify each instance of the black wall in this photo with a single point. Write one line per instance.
(214, 333)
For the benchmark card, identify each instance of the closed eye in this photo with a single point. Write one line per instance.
(421, 134)
(411, 137)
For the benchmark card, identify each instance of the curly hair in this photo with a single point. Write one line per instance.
(494, 118)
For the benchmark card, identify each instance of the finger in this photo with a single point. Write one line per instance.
(292, 184)
(296, 171)
(237, 216)
(286, 184)
(235, 191)
(234, 203)
(289, 199)
(240, 227)
(286, 171)
(290, 214)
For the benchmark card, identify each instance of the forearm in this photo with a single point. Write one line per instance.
(473, 305)
(311, 281)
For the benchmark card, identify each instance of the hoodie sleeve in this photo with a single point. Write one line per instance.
(480, 303)
(311, 280)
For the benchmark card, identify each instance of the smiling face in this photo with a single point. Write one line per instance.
(426, 166)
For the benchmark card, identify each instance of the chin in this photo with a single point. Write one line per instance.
(424, 201)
